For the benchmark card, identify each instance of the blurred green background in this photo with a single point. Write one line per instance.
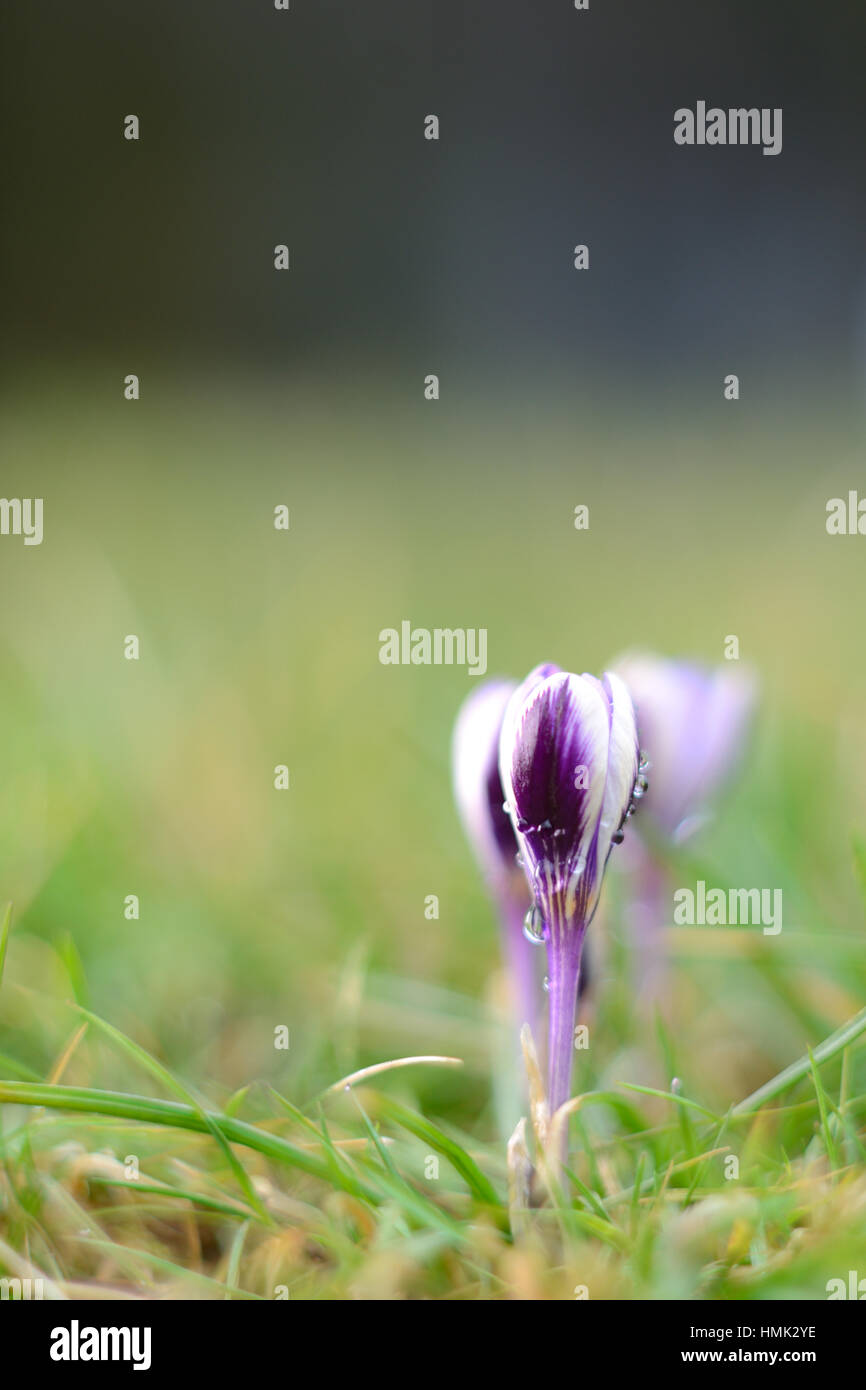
(258, 647)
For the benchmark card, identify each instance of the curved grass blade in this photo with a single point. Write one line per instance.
(826, 1131)
(233, 1273)
(149, 1110)
(479, 1185)
(162, 1074)
(414, 1204)
(396, 1062)
(74, 967)
(672, 1095)
(826, 1050)
(333, 1158)
(376, 1140)
(182, 1193)
(4, 937)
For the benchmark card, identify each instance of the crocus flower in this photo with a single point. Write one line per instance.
(479, 796)
(694, 720)
(569, 761)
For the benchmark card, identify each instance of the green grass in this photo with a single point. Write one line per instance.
(153, 1140)
(649, 1217)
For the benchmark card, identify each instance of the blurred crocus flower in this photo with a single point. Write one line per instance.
(569, 761)
(694, 721)
(477, 786)
(479, 795)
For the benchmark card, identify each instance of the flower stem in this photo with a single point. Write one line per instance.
(563, 955)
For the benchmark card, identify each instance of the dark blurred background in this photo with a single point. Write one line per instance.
(306, 127)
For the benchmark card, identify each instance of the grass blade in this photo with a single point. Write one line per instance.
(149, 1110)
(829, 1141)
(479, 1185)
(674, 1096)
(4, 937)
(161, 1073)
(826, 1050)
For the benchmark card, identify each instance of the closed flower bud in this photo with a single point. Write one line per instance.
(569, 760)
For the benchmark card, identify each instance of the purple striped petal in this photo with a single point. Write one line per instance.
(568, 761)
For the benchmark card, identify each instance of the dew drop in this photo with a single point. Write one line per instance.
(676, 1086)
(546, 984)
(533, 925)
(689, 826)
(617, 837)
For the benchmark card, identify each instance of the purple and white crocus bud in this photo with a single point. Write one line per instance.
(569, 760)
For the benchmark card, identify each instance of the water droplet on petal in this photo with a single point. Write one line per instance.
(533, 925)
(690, 826)
(546, 984)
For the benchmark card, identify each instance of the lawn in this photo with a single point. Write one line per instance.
(196, 964)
